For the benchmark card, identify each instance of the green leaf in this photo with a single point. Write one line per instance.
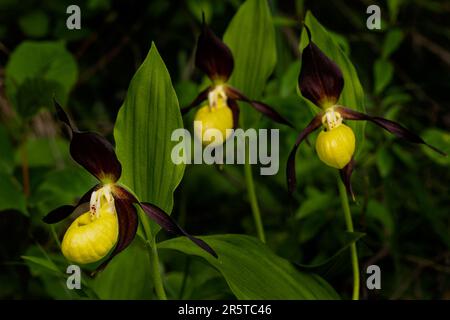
(11, 194)
(127, 276)
(143, 132)
(352, 95)
(60, 187)
(251, 38)
(383, 72)
(45, 263)
(326, 265)
(42, 152)
(315, 202)
(253, 271)
(42, 60)
(440, 139)
(35, 94)
(391, 42)
(34, 24)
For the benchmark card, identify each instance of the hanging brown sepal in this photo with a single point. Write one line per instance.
(346, 175)
(290, 168)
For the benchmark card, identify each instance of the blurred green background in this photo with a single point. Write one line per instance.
(402, 189)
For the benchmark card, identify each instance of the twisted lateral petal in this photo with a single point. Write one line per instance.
(168, 224)
(63, 212)
(320, 79)
(128, 221)
(213, 56)
(290, 168)
(235, 111)
(92, 151)
(346, 174)
(202, 96)
(263, 108)
(391, 126)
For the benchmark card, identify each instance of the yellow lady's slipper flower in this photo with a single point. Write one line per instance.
(215, 59)
(321, 82)
(93, 234)
(109, 221)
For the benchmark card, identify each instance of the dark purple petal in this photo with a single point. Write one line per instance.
(235, 111)
(263, 108)
(128, 222)
(63, 212)
(170, 225)
(96, 155)
(92, 151)
(202, 96)
(290, 168)
(346, 175)
(391, 126)
(58, 214)
(320, 79)
(213, 56)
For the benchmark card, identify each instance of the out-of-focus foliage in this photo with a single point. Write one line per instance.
(402, 207)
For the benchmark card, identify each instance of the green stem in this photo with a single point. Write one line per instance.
(353, 251)
(154, 259)
(252, 197)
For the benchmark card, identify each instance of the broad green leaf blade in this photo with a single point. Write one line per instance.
(127, 276)
(352, 95)
(323, 267)
(251, 38)
(143, 132)
(253, 271)
(47, 63)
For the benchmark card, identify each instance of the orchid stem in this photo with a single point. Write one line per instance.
(157, 279)
(154, 258)
(252, 196)
(353, 251)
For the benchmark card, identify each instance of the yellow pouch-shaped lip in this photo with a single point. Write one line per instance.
(89, 239)
(219, 117)
(335, 147)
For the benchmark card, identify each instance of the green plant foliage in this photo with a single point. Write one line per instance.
(382, 73)
(391, 42)
(126, 277)
(251, 38)
(40, 70)
(253, 271)
(352, 95)
(6, 153)
(34, 24)
(440, 139)
(143, 132)
(11, 195)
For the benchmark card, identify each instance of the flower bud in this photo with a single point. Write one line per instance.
(93, 234)
(335, 147)
(217, 117)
